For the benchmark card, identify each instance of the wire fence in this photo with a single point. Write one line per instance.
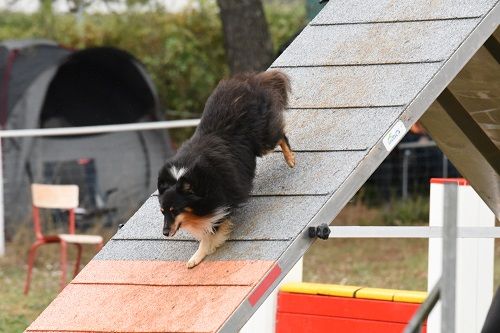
(405, 173)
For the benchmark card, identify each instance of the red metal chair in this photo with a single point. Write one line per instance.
(57, 197)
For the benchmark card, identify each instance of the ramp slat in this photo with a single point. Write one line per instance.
(337, 129)
(356, 11)
(314, 173)
(376, 43)
(357, 86)
(131, 308)
(182, 250)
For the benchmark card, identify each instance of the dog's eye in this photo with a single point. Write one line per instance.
(174, 211)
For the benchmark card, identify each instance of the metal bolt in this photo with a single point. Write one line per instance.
(322, 231)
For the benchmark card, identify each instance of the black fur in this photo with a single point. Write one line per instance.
(242, 119)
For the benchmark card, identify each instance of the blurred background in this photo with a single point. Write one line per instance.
(67, 63)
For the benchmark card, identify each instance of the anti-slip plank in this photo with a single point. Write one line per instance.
(337, 129)
(376, 43)
(356, 11)
(355, 86)
(129, 308)
(314, 173)
(183, 250)
(173, 273)
(261, 218)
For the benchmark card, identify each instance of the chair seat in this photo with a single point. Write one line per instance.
(81, 239)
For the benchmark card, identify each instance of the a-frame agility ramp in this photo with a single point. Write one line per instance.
(363, 71)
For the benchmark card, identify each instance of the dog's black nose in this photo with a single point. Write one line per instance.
(166, 232)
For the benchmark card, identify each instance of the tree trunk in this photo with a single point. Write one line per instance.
(246, 38)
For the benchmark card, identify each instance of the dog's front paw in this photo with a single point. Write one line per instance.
(290, 159)
(195, 260)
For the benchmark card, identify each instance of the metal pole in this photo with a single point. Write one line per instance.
(445, 166)
(99, 128)
(2, 228)
(448, 277)
(406, 157)
(415, 324)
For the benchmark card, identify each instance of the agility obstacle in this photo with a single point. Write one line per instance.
(320, 308)
(362, 73)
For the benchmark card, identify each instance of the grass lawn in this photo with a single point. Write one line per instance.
(385, 263)
(17, 311)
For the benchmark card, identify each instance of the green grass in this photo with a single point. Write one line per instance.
(17, 310)
(381, 263)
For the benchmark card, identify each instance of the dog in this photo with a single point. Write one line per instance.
(212, 173)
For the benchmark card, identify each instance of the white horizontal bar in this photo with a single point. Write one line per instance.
(99, 129)
(410, 232)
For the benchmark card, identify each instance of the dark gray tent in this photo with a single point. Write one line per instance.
(45, 85)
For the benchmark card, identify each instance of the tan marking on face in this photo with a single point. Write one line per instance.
(195, 224)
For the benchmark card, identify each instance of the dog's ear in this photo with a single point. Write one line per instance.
(162, 187)
(185, 186)
(197, 180)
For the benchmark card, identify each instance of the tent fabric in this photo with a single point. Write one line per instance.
(98, 86)
(45, 85)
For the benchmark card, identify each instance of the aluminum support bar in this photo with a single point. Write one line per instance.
(2, 221)
(449, 275)
(100, 128)
(410, 232)
(415, 323)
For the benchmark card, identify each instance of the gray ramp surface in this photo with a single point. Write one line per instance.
(362, 72)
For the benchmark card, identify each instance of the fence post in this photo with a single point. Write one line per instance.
(264, 319)
(2, 222)
(474, 268)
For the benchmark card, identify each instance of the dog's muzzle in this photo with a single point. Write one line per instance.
(168, 226)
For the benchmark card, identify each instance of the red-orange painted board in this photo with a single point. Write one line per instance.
(458, 181)
(162, 273)
(264, 285)
(346, 307)
(130, 308)
(298, 323)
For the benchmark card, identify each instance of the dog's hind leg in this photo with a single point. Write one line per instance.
(210, 242)
(287, 151)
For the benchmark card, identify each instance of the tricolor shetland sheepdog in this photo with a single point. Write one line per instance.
(212, 173)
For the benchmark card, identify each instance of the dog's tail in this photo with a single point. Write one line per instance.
(279, 85)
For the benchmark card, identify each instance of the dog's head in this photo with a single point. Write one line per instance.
(179, 194)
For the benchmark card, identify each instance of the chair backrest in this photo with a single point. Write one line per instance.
(54, 196)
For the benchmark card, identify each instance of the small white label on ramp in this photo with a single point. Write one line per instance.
(395, 134)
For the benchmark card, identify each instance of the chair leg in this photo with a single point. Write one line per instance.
(31, 262)
(78, 258)
(64, 262)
